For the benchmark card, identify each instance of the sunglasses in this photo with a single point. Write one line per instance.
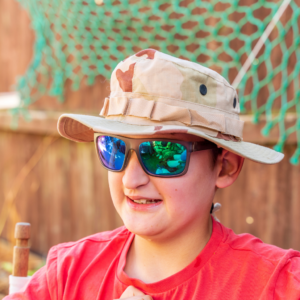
(158, 157)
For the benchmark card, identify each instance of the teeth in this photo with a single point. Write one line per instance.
(145, 201)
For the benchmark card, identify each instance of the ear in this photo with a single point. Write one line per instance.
(229, 167)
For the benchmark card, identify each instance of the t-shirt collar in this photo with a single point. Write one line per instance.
(175, 280)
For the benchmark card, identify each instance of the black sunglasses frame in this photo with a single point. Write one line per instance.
(134, 144)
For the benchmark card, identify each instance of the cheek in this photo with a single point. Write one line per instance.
(201, 177)
(193, 190)
(116, 188)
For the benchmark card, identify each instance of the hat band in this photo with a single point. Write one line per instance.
(159, 111)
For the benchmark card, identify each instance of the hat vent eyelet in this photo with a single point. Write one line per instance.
(203, 89)
(234, 102)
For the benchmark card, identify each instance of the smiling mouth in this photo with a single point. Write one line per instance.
(145, 201)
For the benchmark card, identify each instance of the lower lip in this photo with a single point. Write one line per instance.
(142, 207)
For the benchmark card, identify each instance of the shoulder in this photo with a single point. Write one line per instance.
(252, 247)
(98, 238)
(275, 270)
(96, 244)
(85, 261)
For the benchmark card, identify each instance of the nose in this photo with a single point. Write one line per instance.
(134, 175)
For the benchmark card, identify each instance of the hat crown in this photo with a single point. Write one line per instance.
(157, 76)
(151, 87)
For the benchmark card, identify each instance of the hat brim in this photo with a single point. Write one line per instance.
(81, 128)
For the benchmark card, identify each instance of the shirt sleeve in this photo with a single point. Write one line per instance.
(43, 284)
(288, 283)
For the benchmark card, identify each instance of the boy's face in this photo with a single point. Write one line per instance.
(184, 201)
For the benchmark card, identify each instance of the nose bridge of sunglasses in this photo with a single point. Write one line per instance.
(129, 155)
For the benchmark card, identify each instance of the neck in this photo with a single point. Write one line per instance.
(156, 259)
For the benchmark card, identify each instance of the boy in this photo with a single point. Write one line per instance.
(170, 136)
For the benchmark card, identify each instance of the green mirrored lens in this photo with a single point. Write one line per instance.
(163, 158)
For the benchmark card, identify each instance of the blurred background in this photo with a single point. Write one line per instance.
(57, 56)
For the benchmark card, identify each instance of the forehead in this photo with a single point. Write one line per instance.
(171, 136)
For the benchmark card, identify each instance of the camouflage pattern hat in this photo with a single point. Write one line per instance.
(152, 92)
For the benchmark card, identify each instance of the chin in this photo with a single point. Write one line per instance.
(143, 229)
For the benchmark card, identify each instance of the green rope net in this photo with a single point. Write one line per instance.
(79, 40)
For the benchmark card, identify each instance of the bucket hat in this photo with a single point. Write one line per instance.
(152, 92)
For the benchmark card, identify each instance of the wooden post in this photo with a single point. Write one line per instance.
(21, 250)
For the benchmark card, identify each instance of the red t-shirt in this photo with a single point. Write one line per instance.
(229, 267)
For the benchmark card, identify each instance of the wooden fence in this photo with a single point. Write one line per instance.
(65, 195)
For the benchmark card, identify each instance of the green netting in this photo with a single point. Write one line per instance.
(79, 40)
